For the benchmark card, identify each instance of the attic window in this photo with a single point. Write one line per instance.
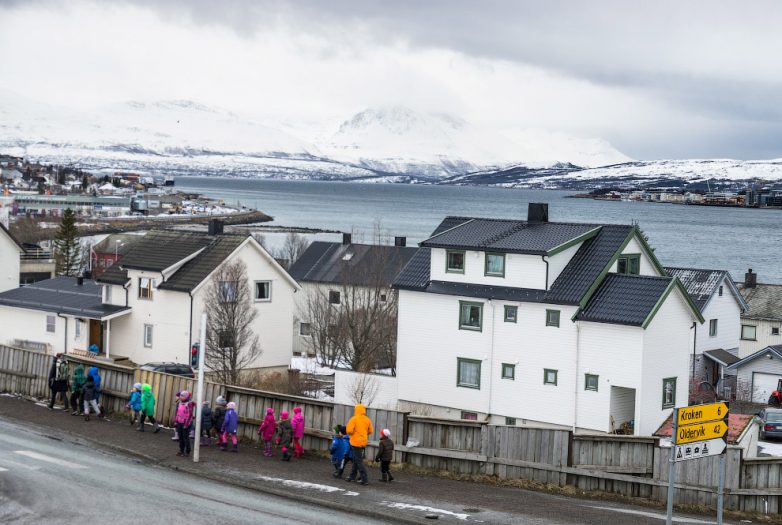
(145, 287)
(629, 264)
(720, 291)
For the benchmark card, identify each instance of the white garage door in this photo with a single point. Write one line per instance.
(763, 385)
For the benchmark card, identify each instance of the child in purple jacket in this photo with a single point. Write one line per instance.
(266, 431)
(298, 432)
(230, 426)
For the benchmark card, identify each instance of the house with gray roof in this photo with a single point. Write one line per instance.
(328, 271)
(716, 340)
(566, 325)
(164, 279)
(761, 324)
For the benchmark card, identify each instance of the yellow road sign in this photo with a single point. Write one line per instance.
(700, 432)
(702, 413)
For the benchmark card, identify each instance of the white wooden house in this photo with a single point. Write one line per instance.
(536, 322)
(761, 324)
(10, 252)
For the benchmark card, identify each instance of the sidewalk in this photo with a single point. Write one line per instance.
(408, 499)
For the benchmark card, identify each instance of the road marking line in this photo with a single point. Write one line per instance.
(3, 469)
(8, 462)
(49, 459)
(651, 515)
(292, 483)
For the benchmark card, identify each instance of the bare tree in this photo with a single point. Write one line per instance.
(295, 244)
(363, 388)
(231, 343)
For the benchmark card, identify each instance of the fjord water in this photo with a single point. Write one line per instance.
(694, 236)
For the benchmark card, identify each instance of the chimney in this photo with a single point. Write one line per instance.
(400, 241)
(750, 279)
(347, 239)
(537, 212)
(80, 281)
(215, 227)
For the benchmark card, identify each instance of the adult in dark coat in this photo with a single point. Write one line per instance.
(58, 380)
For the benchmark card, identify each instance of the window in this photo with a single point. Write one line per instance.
(552, 317)
(228, 291)
(495, 264)
(77, 329)
(469, 416)
(334, 297)
(454, 261)
(669, 392)
(749, 332)
(511, 313)
(468, 373)
(510, 421)
(305, 329)
(549, 376)
(712, 327)
(470, 316)
(383, 298)
(108, 293)
(774, 330)
(591, 382)
(720, 291)
(109, 262)
(51, 323)
(145, 286)
(148, 335)
(225, 339)
(263, 291)
(508, 371)
(629, 264)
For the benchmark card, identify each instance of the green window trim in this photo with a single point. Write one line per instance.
(448, 268)
(754, 338)
(459, 361)
(552, 318)
(546, 372)
(672, 402)
(510, 421)
(511, 371)
(631, 263)
(486, 271)
(514, 313)
(462, 326)
(596, 384)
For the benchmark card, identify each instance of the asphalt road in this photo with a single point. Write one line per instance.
(44, 480)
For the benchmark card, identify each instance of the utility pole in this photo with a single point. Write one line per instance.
(200, 390)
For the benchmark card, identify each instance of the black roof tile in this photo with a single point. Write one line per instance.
(62, 295)
(194, 271)
(357, 264)
(700, 284)
(415, 274)
(625, 299)
(162, 249)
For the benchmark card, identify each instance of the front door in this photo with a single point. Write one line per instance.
(95, 334)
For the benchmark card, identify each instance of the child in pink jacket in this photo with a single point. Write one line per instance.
(298, 432)
(266, 431)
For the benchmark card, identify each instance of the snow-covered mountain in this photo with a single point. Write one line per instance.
(179, 136)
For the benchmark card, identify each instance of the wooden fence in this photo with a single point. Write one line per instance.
(628, 465)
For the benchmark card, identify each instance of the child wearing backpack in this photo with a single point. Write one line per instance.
(266, 431)
(385, 454)
(340, 450)
(147, 408)
(134, 405)
(183, 420)
(285, 435)
(88, 393)
(298, 432)
(218, 415)
(206, 424)
(230, 427)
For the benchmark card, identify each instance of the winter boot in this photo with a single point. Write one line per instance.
(176, 436)
(390, 477)
(86, 417)
(235, 448)
(140, 428)
(384, 477)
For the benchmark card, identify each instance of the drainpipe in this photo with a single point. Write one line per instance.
(491, 362)
(694, 342)
(575, 390)
(65, 348)
(190, 326)
(543, 258)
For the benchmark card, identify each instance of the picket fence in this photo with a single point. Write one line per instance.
(632, 466)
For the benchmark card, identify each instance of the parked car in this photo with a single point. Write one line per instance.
(770, 423)
(177, 369)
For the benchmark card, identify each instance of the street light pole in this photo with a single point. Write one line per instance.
(200, 391)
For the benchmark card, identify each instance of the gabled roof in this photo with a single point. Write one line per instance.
(764, 301)
(65, 296)
(161, 249)
(357, 264)
(773, 349)
(194, 271)
(702, 284)
(625, 299)
(8, 233)
(720, 356)
(510, 236)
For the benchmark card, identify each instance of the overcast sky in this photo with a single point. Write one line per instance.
(656, 79)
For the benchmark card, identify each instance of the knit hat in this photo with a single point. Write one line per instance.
(220, 401)
(137, 386)
(184, 395)
(297, 410)
(343, 429)
(231, 406)
(206, 402)
(284, 414)
(270, 411)
(386, 432)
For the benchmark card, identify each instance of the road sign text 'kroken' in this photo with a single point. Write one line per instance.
(701, 413)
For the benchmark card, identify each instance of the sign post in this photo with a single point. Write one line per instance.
(200, 391)
(698, 431)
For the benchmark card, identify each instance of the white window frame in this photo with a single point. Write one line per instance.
(77, 329)
(303, 324)
(150, 286)
(148, 335)
(268, 297)
(51, 324)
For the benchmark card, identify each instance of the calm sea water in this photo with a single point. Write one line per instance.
(697, 236)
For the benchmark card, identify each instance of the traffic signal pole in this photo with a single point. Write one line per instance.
(200, 391)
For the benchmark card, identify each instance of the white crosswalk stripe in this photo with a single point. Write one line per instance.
(48, 459)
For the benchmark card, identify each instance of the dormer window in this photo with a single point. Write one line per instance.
(629, 264)
(454, 261)
(495, 264)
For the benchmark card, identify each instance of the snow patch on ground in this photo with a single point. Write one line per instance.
(772, 448)
(424, 508)
(305, 485)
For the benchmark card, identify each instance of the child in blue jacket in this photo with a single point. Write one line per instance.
(134, 405)
(230, 427)
(340, 450)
